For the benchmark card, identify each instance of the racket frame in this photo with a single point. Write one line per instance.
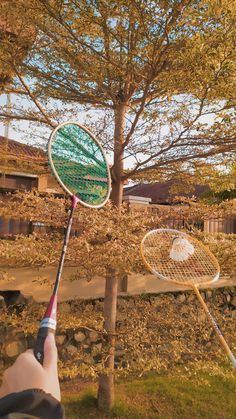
(51, 138)
(183, 234)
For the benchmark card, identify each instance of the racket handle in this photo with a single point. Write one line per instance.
(47, 325)
(216, 328)
(39, 345)
(232, 359)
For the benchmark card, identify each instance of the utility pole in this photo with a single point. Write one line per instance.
(6, 137)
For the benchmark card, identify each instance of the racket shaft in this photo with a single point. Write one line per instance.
(216, 328)
(48, 323)
(64, 248)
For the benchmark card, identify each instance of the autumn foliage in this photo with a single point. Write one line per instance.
(104, 237)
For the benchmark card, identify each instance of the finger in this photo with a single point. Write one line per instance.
(50, 352)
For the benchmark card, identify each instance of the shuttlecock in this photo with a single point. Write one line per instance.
(181, 249)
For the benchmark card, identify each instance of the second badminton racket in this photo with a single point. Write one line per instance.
(178, 257)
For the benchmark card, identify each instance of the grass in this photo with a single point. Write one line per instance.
(179, 395)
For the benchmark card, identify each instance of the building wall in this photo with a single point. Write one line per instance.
(13, 182)
(42, 183)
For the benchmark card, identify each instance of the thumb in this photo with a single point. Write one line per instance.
(50, 352)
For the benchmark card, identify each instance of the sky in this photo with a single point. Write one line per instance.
(23, 131)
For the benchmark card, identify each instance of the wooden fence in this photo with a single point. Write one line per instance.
(11, 228)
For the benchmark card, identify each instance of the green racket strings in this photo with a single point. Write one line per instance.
(80, 164)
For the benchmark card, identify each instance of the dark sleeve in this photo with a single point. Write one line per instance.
(33, 403)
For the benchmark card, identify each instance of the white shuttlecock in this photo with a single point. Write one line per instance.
(181, 249)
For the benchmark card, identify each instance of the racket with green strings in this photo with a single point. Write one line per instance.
(79, 164)
(180, 258)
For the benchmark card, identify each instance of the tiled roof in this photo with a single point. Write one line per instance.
(16, 150)
(161, 193)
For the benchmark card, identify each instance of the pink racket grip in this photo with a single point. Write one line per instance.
(47, 325)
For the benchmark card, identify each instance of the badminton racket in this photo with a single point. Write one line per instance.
(180, 258)
(79, 164)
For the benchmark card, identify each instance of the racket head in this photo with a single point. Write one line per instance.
(198, 267)
(79, 164)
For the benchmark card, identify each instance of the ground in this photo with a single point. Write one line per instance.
(200, 391)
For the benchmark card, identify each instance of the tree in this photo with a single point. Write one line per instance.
(158, 68)
(16, 38)
(138, 59)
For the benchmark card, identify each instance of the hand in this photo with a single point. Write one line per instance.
(27, 373)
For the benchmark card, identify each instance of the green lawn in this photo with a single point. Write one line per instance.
(191, 395)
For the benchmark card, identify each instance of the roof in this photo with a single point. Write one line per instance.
(161, 192)
(16, 156)
(18, 150)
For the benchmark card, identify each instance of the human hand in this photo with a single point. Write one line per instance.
(27, 373)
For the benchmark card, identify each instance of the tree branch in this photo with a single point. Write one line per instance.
(36, 102)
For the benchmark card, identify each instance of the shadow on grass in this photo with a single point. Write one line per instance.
(85, 406)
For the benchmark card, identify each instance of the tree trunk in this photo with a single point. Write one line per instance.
(118, 167)
(106, 392)
(106, 381)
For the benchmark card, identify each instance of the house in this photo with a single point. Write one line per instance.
(151, 197)
(164, 193)
(23, 167)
